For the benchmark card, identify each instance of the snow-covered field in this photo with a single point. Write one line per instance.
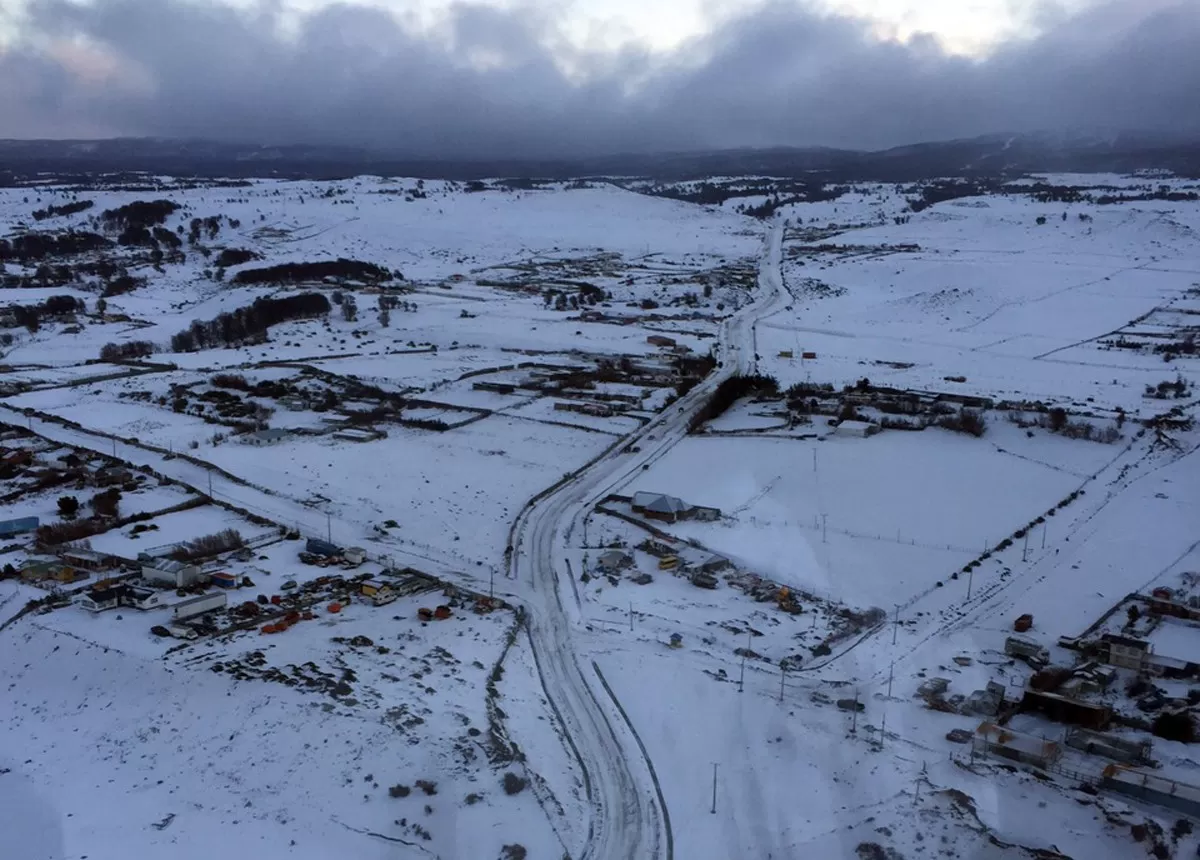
(120, 745)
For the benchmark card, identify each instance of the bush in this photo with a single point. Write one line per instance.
(513, 784)
(68, 507)
(513, 852)
(207, 545)
(430, 788)
(969, 421)
(106, 503)
(230, 380)
(126, 351)
(60, 533)
(399, 791)
(1178, 726)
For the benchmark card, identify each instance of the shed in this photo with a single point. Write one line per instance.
(176, 574)
(272, 436)
(857, 429)
(1064, 709)
(991, 739)
(224, 579)
(714, 563)
(18, 526)
(1124, 651)
(87, 559)
(613, 560)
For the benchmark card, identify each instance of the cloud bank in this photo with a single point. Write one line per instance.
(500, 83)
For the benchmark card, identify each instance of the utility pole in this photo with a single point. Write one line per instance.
(631, 615)
(114, 441)
(896, 624)
(814, 459)
(210, 495)
(491, 581)
(854, 714)
(714, 801)
(1044, 534)
(745, 654)
(823, 533)
(328, 527)
(891, 673)
(970, 577)
(782, 676)
(1025, 548)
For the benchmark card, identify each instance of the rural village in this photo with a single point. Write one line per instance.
(434, 516)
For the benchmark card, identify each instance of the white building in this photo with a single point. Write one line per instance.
(857, 429)
(176, 574)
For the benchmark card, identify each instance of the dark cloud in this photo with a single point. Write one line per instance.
(487, 82)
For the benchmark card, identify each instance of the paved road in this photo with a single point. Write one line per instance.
(627, 823)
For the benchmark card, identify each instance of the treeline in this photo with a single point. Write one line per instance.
(293, 273)
(31, 247)
(249, 323)
(234, 257)
(729, 392)
(939, 192)
(65, 209)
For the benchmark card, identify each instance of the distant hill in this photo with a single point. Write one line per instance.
(993, 155)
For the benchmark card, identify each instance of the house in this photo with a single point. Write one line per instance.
(1111, 747)
(354, 555)
(660, 340)
(1124, 652)
(856, 429)
(18, 526)
(658, 506)
(293, 403)
(613, 560)
(86, 559)
(39, 570)
(991, 739)
(359, 434)
(101, 598)
(109, 476)
(143, 598)
(175, 574)
(272, 436)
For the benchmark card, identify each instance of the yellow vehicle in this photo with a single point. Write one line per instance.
(669, 562)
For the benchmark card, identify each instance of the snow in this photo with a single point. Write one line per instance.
(969, 296)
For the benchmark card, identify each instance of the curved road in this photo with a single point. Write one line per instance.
(625, 824)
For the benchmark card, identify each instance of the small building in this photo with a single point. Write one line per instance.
(144, 598)
(322, 547)
(174, 574)
(1124, 651)
(991, 739)
(613, 560)
(359, 434)
(704, 514)
(660, 340)
(658, 506)
(808, 356)
(197, 606)
(354, 555)
(785, 353)
(856, 429)
(1111, 747)
(224, 579)
(293, 403)
(714, 563)
(1064, 709)
(86, 559)
(18, 526)
(273, 436)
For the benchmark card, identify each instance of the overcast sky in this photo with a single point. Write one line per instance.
(556, 77)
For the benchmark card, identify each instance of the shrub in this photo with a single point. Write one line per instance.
(969, 421)
(68, 507)
(230, 380)
(427, 786)
(513, 784)
(207, 545)
(513, 852)
(106, 503)
(126, 351)
(399, 791)
(1177, 726)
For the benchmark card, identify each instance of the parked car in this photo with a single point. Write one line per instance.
(289, 585)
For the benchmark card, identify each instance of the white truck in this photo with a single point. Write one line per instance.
(194, 606)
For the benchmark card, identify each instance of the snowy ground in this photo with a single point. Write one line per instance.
(971, 296)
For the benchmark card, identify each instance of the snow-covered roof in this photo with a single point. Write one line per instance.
(861, 426)
(660, 503)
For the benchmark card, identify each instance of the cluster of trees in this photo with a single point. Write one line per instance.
(65, 209)
(139, 214)
(589, 294)
(294, 273)
(122, 284)
(32, 247)
(234, 257)
(729, 392)
(1177, 388)
(31, 316)
(969, 421)
(249, 323)
(127, 351)
(948, 189)
(210, 226)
